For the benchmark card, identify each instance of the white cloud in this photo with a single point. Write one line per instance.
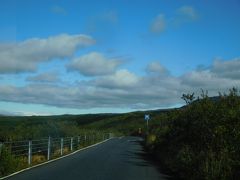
(159, 24)
(125, 89)
(25, 56)
(156, 67)
(48, 77)
(94, 64)
(227, 69)
(221, 76)
(184, 14)
(8, 113)
(201, 79)
(121, 79)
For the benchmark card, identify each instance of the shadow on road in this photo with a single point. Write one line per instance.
(139, 157)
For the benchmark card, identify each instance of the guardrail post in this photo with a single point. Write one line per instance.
(61, 146)
(1, 145)
(78, 140)
(29, 153)
(71, 147)
(49, 148)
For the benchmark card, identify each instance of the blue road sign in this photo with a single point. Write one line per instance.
(147, 117)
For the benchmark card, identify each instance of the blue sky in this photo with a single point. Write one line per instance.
(78, 56)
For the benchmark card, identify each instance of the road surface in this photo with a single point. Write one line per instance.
(116, 159)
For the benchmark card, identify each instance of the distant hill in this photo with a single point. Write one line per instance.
(22, 127)
(66, 125)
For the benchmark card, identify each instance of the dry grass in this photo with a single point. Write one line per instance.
(36, 159)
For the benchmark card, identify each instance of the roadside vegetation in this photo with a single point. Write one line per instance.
(200, 140)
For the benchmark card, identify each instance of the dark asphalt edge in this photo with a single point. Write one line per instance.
(53, 160)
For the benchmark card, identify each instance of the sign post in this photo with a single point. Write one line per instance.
(147, 118)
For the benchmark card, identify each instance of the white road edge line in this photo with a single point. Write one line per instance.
(18, 172)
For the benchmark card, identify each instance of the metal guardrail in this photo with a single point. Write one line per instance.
(37, 151)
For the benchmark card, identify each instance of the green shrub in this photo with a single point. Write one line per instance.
(8, 163)
(201, 140)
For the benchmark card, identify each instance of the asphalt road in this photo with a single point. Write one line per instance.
(116, 159)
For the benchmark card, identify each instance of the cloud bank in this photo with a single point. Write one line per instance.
(48, 77)
(94, 64)
(156, 89)
(25, 56)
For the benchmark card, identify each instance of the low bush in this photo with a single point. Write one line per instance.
(8, 163)
(202, 139)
